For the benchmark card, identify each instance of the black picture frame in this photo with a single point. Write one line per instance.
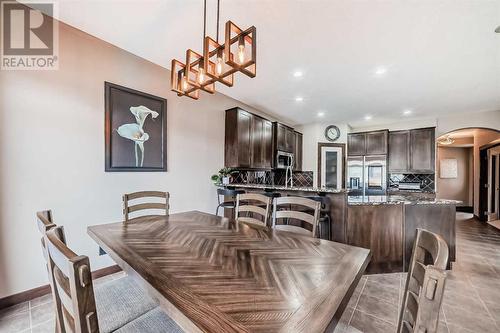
(114, 96)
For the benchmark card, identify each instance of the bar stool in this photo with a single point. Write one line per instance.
(324, 224)
(224, 192)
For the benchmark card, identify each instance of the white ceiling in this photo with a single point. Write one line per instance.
(441, 56)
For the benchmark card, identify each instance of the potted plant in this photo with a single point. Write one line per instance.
(223, 176)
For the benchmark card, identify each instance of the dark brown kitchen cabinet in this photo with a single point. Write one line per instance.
(298, 152)
(356, 144)
(376, 142)
(268, 144)
(399, 144)
(380, 229)
(412, 151)
(285, 138)
(261, 144)
(367, 143)
(238, 137)
(257, 142)
(422, 150)
(248, 140)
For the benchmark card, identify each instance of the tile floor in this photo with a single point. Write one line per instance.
(471, 303)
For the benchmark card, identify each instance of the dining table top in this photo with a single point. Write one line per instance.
(212, 274)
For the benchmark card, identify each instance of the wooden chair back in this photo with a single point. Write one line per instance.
(424, 284)
(73, 288)
(249, 203)
(128, 208)
(44, 223)
(293, 202)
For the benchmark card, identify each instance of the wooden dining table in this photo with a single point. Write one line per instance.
(212, 274)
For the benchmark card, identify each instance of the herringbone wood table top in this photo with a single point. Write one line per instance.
(211, 274)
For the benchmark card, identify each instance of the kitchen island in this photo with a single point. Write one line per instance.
(384, 224)
(387, 226)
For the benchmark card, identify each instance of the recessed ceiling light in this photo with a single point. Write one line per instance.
(299, 99)
(407, 112)
(380, 71)
(368, 117)
(298, 74)
(321, 114)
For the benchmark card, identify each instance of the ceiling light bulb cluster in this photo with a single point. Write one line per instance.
(218, 63)
(447, 140)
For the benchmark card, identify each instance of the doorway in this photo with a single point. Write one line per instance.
(479, 140)
(493, 185)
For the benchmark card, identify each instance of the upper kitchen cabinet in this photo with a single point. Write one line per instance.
(237, 138)
(248, 140)
(285, 137)
(422, 150)
(412, 151)
(367, 143)
(356, 144)
(261, 143)
(298, 152)
(376, 142)
(399, 144)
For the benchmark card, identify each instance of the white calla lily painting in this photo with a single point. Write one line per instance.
(136, 123)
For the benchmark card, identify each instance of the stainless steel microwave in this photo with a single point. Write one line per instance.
(284, 160)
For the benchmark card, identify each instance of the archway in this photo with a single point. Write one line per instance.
(464, 145)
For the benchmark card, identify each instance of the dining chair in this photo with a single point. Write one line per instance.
(80, 308)
(128, 208)
(253, 203)
(44, 223)
(223, 193)
(424, 284)
(290, 213)
(324, 221)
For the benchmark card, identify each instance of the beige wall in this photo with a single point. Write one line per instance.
(454, 188)
(52, 152)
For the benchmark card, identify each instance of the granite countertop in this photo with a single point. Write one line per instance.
(284, 188)
(396, 200)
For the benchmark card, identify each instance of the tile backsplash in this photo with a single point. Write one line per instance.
(275, 177)
(427, 181)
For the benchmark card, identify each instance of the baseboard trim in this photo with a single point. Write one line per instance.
(44, 290)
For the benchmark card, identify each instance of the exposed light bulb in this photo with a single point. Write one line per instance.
(218, 66)
(201, 76)
(241, 53)
(184, 83)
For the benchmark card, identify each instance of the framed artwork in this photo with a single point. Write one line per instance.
(331, 165)
(448, 168)
(135, 130)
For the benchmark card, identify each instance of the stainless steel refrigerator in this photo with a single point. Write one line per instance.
(367, 175)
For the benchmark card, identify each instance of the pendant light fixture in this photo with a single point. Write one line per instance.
(219, 61)
(447, 140)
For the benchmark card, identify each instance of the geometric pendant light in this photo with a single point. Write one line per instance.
(218, 62)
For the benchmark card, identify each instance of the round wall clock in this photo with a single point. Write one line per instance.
(332, 133)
